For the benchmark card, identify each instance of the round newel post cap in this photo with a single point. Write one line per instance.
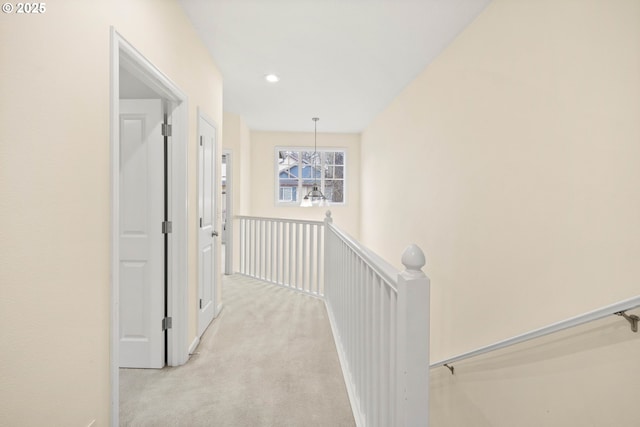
(328, 216)
(413, 259)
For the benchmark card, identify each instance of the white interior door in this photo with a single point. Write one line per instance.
(141, 239)
(207, 232)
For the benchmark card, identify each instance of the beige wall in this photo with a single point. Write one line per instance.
(55, 204)
(512, 160)
(236, 139)
(263, 175)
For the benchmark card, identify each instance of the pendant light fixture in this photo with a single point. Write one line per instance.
(315, 196)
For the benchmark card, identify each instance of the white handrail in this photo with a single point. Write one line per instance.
(382, 267)
(609, 310)
(297, 221)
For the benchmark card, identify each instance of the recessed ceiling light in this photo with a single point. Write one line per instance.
(271, 78)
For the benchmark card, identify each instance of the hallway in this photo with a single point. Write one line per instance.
(268, 360)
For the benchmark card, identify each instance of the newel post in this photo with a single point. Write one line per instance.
(413, 341)
(327, 217)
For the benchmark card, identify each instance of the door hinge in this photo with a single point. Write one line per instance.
(166, 129)
(166, 227)
(166, 323)
(200, 303)
(200, 140)
(200, 222)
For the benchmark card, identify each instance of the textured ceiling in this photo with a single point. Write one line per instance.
(340, 60)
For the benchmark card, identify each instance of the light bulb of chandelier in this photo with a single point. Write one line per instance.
(306, 202)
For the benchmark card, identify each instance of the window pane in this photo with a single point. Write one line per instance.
(311, 174)
(329, 156)
(334, 190)
(339, 172)
(317, 172)
(328, 172)
(328, 193)
(288, 170)
(310, 158)
(306, 171)
(339, 158)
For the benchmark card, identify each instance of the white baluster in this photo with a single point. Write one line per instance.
(252, 242)
(330, 251)
(290, 255)
(276, 249)
(385, 346)
(269, 251)
(242, 245)
(258, 239)
(303, 261)
(393, 366)
(319, 252)
(360, 367)
(311, 262)
(376, 344)
(368, 349)
(299, 255)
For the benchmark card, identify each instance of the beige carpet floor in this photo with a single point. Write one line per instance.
(268, 360)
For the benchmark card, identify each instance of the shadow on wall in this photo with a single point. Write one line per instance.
(446, 396)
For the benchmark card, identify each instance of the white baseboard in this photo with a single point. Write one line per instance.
(218, 310)
(194, 345)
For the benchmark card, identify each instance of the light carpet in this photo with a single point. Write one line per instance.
(268, 360)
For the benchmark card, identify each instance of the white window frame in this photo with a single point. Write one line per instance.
(300, 191)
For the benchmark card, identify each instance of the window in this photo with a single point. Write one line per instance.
(298, 170)
(286, 194)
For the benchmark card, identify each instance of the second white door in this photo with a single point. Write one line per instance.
(207, 232)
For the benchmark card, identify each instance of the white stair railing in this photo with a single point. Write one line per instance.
(284, 252)
(379, 316)
(380, 322)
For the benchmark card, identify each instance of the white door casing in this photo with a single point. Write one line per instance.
(207, 232)
(223, 206)
(141, 240)
(228, 197)
(125, 55)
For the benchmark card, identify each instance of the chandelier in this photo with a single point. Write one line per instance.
(315, 196)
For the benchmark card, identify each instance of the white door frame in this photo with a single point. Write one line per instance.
(123, 53)
(228, 256)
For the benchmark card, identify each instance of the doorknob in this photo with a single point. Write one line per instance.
(214, 234)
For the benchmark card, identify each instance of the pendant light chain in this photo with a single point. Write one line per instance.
(314, 196)
(315, 135)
